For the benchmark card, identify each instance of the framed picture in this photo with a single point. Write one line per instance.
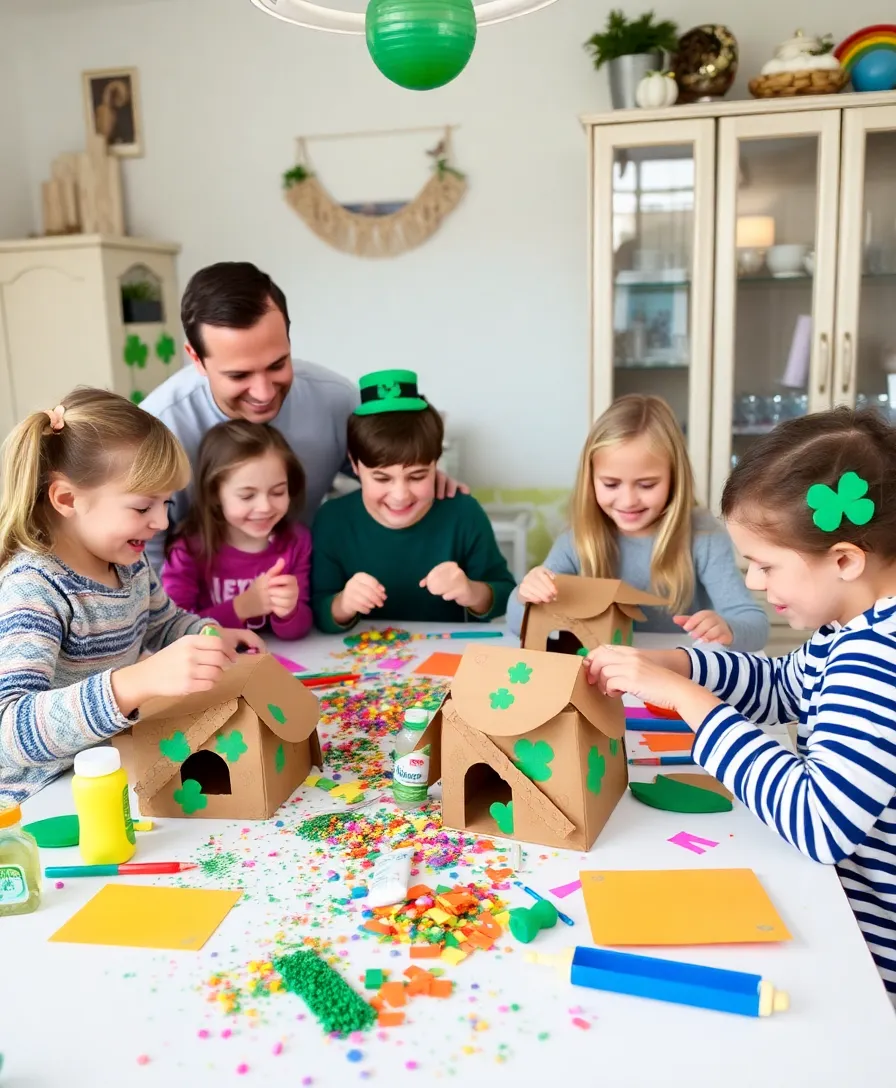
(112, 108)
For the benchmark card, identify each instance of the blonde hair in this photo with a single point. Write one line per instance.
(594, 534)
(103, 436)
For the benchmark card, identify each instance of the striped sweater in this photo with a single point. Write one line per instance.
(835, 800)
(61, 636)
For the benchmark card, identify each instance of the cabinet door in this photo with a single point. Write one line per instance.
(776, 252)
(865, 355)
(651, 291)
(7, 412)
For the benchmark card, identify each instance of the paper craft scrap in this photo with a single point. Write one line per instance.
(698, 906)
(287, 663)
(439, 665)
(654, 725)
(392, 663)
(692, 842)
(668, 742)
(566, 889)
(137, 916)
(674, 795)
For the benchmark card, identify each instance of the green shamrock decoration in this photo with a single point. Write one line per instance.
(276, 713)
(847, 501)
(280, 759)
(616, 640)
(232, 746)
(190, 797)
(533, 759)
(597, 765)
(165, 348)
(502, 815)
(137, 396)
(135, 351)
(519, 673)
(614, 746)
(176, 748)
(501, 699)
(388, 392)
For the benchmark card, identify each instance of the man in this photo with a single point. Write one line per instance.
(236, 324)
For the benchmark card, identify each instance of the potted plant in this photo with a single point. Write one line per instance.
(630, 50)
(141, 302)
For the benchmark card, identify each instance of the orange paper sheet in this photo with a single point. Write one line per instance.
(439, 665)
(141, 916)
(668, 742)
(680, 907)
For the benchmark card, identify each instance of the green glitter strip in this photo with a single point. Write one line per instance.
(325, 992)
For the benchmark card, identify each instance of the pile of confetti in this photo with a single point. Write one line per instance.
(371, 647)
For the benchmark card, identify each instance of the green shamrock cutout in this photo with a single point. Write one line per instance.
(616, 640)
(232, 746)
(533, 759)
(276, 713)
(389, 392)
(136, 397)
(165, 348)
(614, 746)
(502, 815)
(847, 501)
(280, 759)
(501, 699)
(135, 351)
(190, 797)
(176, 748)
(519, 673)
(597, 765)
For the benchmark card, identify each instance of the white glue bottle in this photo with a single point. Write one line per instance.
(410, 769)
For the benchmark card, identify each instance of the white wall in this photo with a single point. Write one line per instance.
(492, 311)
(15, 197)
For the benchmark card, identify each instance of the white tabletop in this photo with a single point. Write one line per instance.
(75, 1015)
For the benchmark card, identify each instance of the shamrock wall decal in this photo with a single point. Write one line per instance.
(232, 746)
(165, 348)
(503, 816)
(176, 747)
(519, 673)
(388, 392)
(597, 765)
(847, 501)
(534, 759)
(190, 797)
(137, 396)
(135, 351)
(501, 699)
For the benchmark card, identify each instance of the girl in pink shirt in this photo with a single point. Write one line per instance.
(241, 557)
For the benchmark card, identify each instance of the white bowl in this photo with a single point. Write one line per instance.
(787, 260)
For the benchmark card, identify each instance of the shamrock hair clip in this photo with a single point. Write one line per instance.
(849, 501)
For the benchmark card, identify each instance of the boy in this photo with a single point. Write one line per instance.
(390, 551)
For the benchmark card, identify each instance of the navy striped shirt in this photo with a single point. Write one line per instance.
(835, 800)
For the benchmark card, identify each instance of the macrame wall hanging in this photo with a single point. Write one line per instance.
(375, 235)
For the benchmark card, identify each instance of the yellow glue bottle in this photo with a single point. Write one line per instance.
(100, 790)
(19, 865)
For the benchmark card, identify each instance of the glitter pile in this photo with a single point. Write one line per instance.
(326, 993)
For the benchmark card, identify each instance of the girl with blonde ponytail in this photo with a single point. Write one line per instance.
(85, 485)
(633, 516)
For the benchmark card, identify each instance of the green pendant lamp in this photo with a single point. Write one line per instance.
(420, 44)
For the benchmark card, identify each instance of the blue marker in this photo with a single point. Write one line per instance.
(682, 983)
(564, 918)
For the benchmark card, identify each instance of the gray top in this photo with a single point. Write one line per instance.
(719, 584)
(312, 419)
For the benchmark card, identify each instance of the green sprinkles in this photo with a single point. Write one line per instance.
(325, 992)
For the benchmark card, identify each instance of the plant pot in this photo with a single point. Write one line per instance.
(625, 75)
(137, 311)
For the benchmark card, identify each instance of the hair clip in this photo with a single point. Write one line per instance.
(57, 417)
(847, 501)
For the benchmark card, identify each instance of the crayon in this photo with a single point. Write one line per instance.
(131, 868)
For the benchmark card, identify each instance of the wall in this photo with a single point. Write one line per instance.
(493, 311)
(15, 198)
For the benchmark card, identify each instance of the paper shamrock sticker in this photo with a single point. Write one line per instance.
(176, 747)
(276, 713)
(614, 746)
(135, 351)
(280, 759)
(616, 640)
(190, 797)
(597, 765)
(232, 746)
(165, 348)
(848, 501)
(503, 816)
(501, 699)
(519, 673)
(534, 759)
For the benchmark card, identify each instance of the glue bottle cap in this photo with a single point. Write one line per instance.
(97, 762)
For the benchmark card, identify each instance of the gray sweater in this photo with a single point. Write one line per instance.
(719, 584)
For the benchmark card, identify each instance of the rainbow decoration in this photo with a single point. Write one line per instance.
(864, 41)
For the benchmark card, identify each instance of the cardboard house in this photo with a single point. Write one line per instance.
(588, 612)
(235, 752)
(529, 749)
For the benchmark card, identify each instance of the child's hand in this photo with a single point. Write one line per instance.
(258, 599)
(362, 593)
(283, 591)
(234, 637)
(706, 626)
(450, 583)
(193, 663)
(538, 587)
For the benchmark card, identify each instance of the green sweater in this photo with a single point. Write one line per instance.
(348, 541)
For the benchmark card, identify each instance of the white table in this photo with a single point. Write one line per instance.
(78, 1015)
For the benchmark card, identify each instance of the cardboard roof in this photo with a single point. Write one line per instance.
(584, 598)
(505, 692)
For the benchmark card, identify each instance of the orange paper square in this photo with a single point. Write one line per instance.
(439, 665)
(668, 742)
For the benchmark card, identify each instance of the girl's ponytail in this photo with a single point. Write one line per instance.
(22, 516)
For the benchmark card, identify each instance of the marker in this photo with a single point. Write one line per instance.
(466, 634)
(328, 681)
(131, 868)
(564, 918)
(663, 761)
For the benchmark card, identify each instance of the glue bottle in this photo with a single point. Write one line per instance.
(19, 865)
(410, 769)
(100, 790)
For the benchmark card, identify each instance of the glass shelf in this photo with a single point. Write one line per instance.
(652, 283)
(781, 281)
(649, 366)
(740, 430)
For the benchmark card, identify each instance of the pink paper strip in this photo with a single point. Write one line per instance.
(692, 842)
(566, 889)
(392, 663)
(293, 666)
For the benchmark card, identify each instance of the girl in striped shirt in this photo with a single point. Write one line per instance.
(812, 508)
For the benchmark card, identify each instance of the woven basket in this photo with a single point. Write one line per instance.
(790, 84)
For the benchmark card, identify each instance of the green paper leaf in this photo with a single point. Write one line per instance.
(519, 673)
(614, 746)
(597, 766)
(232, 746)
(673, 796)
(502, 815)
(534, 759)
(190, 797)
(616, 640)
(176, 747)
(166, 348)
(276, 713)
(280, 759)
(501, 699)
(849, 501)
(135, 351)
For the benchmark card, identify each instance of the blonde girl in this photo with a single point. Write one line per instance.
(85, 486)
(633, 516)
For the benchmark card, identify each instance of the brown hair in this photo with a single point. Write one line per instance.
(396, 438)
(229, 295)
(103, 436)
(223, 448)
(767, 489)
(594, 534)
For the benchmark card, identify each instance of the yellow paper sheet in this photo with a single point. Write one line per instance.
(680, 906)
(139, 916)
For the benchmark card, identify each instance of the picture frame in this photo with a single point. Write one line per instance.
(112, 109)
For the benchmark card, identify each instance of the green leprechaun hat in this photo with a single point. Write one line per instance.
(389, 391)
